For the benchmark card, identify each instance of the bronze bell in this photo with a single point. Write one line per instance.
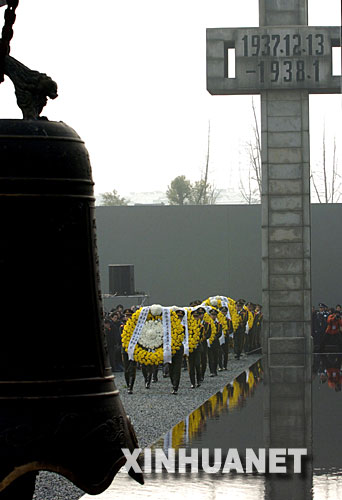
(60, 409)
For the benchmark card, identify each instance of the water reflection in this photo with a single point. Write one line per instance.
(327, 406)
(207, 418)
(270, 405)
(328, 368)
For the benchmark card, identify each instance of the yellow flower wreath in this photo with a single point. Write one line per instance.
(213, 302)
(250, 317)
(236, 318)
(216, 303)
(194, 332)
(210, 320)
(224, 322)
(148, 356)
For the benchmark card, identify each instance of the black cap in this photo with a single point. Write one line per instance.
(180, 311)
(200, 310)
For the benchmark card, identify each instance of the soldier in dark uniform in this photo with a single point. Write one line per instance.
(224, 348)
(258, 317)
(239, 333)
(214, 348)
(205, 328)
(130, 366)
(174, 368)
(194, 361)
(250, 336)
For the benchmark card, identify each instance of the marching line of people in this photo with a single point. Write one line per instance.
(219, 334)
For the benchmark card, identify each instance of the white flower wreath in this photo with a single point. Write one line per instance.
(152, 334)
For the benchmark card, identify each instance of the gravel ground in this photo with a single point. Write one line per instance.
(153, 412)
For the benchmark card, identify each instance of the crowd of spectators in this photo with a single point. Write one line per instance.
(113, 323)
(327, 327)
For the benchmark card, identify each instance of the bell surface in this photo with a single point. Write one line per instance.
(60, 409)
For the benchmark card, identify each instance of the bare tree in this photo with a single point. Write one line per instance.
(255, 151)
(248, 190)
(203, 193)
(327, 180)
(250, 185)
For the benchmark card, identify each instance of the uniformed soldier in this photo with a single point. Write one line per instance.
(175, 368)
(258, 317)
(239, 333)
(214, 348)
(194, 360)
(224, 347)
(205, 335)
(250, 335)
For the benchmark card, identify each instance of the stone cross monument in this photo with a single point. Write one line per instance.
(284, 60)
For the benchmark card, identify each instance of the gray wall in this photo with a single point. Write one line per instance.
(183, 253)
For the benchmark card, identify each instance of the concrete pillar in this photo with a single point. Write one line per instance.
(286, 256)
(285, 205)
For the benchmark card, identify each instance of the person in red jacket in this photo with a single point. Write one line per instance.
(333, 331)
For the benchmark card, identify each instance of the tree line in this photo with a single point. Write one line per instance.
(326, 180)
(180, 192)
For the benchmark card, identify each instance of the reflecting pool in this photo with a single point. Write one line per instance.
(267, 407)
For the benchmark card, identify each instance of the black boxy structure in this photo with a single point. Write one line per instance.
(121, 279)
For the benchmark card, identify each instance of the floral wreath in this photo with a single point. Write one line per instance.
(214, 301)
(208, 319)
(250, 317)
(149, 348)
(221, 318)
(194, 332)
(236, 318)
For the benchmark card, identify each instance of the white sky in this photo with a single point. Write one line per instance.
(132, 82)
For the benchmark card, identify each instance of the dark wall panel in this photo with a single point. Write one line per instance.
(183, 253)
(326, 250)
